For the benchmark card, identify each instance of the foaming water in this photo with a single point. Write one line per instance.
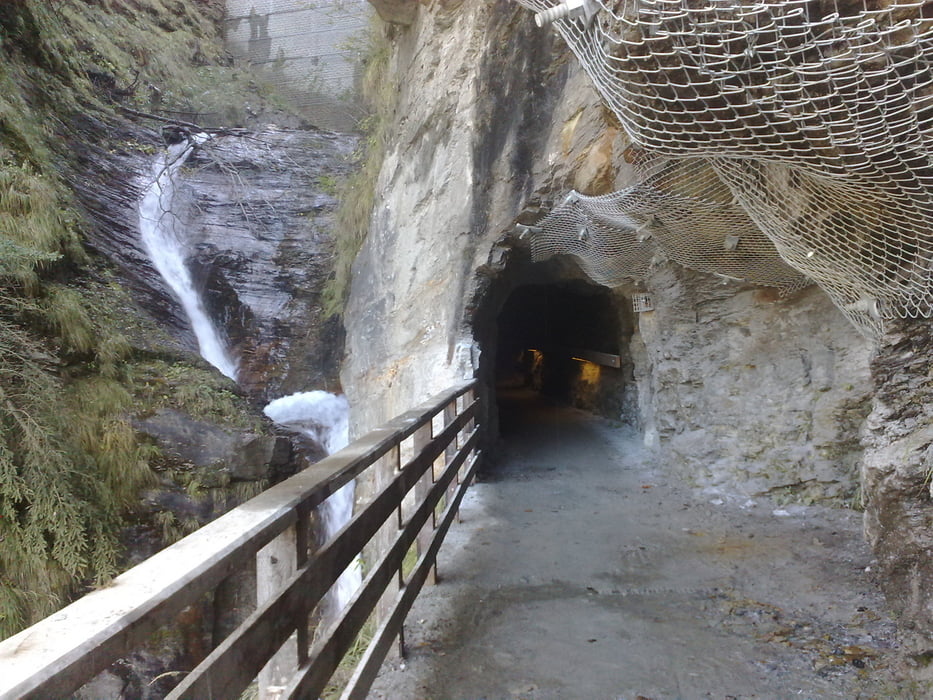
(162, 235)
(319, 414)
(324, 417)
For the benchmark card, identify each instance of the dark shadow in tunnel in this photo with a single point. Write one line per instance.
(549, 334)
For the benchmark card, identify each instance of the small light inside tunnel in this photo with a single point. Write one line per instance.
(590, 372)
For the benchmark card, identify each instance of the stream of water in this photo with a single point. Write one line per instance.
(163, 236)
(318, 414)
(324, 418)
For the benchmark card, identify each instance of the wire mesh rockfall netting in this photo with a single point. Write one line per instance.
(815, 116)
(680, 206)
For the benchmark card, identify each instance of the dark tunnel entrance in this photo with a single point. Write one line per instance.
(561, 336)
(545, 331)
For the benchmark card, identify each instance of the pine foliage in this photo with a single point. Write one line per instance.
(70, 461)
(56, 522)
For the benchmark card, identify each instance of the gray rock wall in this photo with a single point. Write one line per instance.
(896, 482)
(480, 134)
(747, 393)
(737, 390)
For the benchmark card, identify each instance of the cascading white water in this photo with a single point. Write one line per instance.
(161, 232)
(324, 418)
(320, 415)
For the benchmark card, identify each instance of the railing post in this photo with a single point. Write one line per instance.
(468, 398)
(302, 551)
(421, 438)
(234, 600)
(450, 415)
(385, 470)
(275, 563)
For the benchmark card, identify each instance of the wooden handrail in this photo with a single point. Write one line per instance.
(58, 655)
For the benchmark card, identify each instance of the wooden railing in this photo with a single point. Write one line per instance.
(419, 464)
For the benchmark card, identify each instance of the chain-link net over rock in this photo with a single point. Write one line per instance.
(679, 206)
(806, 125)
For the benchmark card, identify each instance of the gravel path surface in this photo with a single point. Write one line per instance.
(580, 572)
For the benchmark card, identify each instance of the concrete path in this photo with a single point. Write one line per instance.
(580, 572)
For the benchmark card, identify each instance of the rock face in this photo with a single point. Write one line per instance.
(112, 179)
(244, 456)
(396, 11)
(896, 481)
(259, 212)
(739, 390)
(749, 394)
(456, 173)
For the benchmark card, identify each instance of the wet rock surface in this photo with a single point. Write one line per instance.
(581, 570)
(259, 209)
(114, 172)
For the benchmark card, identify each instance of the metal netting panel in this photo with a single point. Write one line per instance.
(679, 206)
(870, 249)
(310, 51)
(608, 245)
(816, 115)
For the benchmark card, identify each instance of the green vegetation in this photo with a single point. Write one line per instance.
(351, 660)
(357, 194)
(328, 184)
(56, 519)
(198, 391)
(75, 361)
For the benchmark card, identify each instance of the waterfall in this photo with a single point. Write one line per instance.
(318, 414)
(162, 235)
(324, 418)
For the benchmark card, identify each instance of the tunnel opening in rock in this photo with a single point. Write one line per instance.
(547, 330)
(558, 339)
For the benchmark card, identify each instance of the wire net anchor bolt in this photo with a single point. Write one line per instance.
(570, 9)
(865, 305)
(643, 232)
(642, 302)
(524, 231)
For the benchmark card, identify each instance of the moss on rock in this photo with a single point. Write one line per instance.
(77, 361)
